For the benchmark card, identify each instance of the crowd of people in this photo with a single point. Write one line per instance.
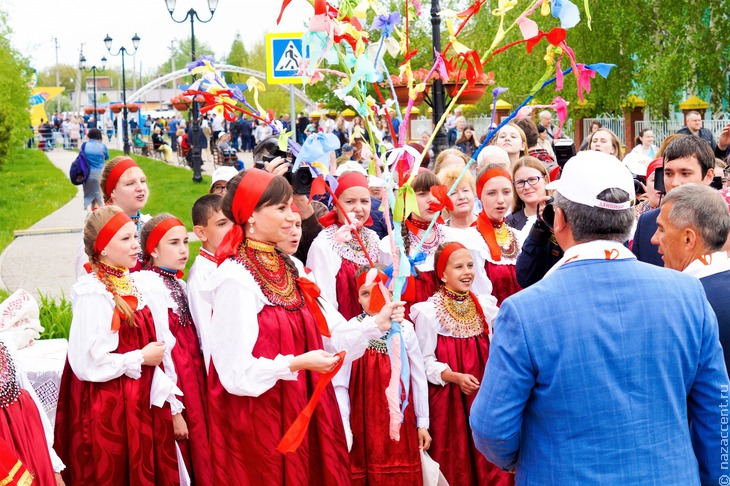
(537, 341)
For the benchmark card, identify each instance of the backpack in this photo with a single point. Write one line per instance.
(79, 171)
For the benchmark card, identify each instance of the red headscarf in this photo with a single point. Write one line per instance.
(352, 179)
(248, 194)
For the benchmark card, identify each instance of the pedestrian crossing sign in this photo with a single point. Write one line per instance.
(283, 57)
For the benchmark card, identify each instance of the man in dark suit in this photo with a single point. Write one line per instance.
(686, 160)
(693, 226)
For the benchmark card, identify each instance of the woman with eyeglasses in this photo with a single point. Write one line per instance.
(530, 177)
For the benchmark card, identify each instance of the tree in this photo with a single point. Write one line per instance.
(15, 91)
(237, 57)
(182, 56)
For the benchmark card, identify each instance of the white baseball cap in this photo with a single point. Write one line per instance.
(590, 173)
(350, 166)
(224, 173)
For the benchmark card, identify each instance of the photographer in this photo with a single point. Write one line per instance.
(311, 212)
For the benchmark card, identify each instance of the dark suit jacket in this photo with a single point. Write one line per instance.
(642, 247)
(376, 215)
(717, 287)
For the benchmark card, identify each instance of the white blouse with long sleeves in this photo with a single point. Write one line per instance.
(325, 259)
(236, 300)
(419, 390)
(200, 308)
(92, 343)
(158, 299)
(428, 328)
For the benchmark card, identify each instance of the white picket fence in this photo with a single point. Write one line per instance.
(661, 128)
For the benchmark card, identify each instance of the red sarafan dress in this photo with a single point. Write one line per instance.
(334, 265)
(107, 432)
(21, 431)
(453, 335)
(375, 458)
(166, 295)
(423, 285)
(260, 322)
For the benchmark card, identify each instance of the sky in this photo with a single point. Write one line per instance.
(35, 23)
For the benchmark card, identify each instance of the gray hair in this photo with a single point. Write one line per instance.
(700, 207)
(589, 224)
(545, 114)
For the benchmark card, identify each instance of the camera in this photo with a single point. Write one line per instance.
(301, 180)
(659, 180)
(564, 149)
(548, 214)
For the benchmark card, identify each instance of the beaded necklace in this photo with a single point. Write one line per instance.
(377, 345)
(9, 389)
(119, 278)
(271, 273)
(458, 313)
(176, 291)
(506, 240)
(351, 250)
(434, 238)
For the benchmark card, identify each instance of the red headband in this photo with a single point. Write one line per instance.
(383, 278)
(654, 165)
(109, 230)
(116, 173)
(353, 179)
(159, 231)
(445, 255)
(248, 194)
(495, 172)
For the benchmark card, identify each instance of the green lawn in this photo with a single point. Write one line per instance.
(32, 188)
(172, 188)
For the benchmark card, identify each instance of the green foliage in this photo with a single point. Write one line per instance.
(14, 94)
(67, 76)
(172, 188)
(237, 57)
(55, 317)
(182, 55)
(32, 189)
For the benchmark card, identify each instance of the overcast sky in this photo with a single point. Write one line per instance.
(36, 22)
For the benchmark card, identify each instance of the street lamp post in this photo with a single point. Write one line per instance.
(123, 50)
(440, 142)
(195, 145)
(93, 70)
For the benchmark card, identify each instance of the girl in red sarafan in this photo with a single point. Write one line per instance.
(383, 451)
(165, 253)
(453, 332)
(113, 424)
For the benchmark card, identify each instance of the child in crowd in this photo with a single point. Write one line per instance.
(375, 458)
(210, 226)
(114, 423)
(336, 254)
(165, 249)
(452, 329)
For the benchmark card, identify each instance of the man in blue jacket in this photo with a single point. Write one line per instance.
(687, 159)
(693, 227)
(608, 371)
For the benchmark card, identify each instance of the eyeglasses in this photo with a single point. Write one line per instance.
(531, 181)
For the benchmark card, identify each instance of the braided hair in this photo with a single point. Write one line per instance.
(94, 224)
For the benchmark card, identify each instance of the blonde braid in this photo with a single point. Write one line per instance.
(119, 302)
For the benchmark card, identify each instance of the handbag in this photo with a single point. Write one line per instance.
(79, 171)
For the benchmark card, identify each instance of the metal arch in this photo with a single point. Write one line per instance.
(156, 83)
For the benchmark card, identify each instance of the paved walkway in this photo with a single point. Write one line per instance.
(41, 259)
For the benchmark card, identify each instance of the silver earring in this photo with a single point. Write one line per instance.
(103, 252)
(251, 229)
